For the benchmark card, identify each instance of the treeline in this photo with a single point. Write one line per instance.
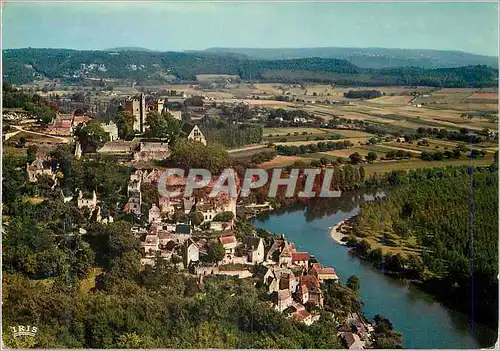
(292, 150)
(362, 94)
(33, 104)
(56, 63)
(433, 208)
(289, 115)
(463, 135)
(230, 135)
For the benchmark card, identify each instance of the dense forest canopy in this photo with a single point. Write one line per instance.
(452, 217)
(26, 65)
(366, 57)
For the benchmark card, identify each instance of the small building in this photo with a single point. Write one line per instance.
(300, 259)
(220, 226)
(254, 247)
(283, 300)
(89, 203)
(154, 214)
(134, 204)
(39, 167)
(152, 151)
(167, 206)
(175, 114)
(229, 242)
(111, 129)
(193, 132)
(150, 245)
(353, 341)
(314, 293)
(303, 316)
(327, 274)
(191, 252)
(285, 257)
(303, 293)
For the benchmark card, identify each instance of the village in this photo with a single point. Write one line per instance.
(198, 234)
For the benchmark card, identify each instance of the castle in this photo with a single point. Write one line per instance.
(139, 107)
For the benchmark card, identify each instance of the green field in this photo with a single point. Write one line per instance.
(404, 165)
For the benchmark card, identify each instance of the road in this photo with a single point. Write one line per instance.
(65, 140)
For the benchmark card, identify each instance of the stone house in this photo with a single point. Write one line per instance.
(154, 214)
(167, 205)
(314, 293)
(150, 245)
(193, 132)
(152, 151)
(90, 203)
(39, 167)
(134, 204)
(230, 243)
(254, 247)
(301, 259)
(285, 257)
(221, 226)
(111, 129)
(303, 316)
(191, 252)
(327, 274)
(283, 300)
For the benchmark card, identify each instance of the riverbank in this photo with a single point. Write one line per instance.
(336, 234)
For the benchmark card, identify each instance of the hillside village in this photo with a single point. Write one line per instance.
(202, 237)
(197, 234)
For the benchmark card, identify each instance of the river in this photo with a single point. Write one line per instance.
(424, 322)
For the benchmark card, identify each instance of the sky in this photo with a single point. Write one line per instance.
(177, 26)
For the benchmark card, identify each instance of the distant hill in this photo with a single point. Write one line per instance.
(370, 57)
(129, 48)
(26, 65)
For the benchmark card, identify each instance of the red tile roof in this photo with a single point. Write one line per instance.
(300, 256)
(327, 270)
(301, 315)
(284, 294)
(225, 240)
(310, 281)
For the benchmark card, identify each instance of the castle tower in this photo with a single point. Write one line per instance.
(142, 113)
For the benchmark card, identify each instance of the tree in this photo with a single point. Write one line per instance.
(91, 136)
(84, 259)
(31, 153)
(121, 238)
(125, 123)
(372, 156)
(196, 218)
(355, 158)
(216, 252)
(475, 153)
(225, 216)
(163, 126)
(78, 96)
(191, 154)
(354, 283)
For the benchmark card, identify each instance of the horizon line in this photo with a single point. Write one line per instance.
(131, 47)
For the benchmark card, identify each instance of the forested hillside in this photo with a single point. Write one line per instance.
(26, 65)
(454, 223)
(369, 57)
